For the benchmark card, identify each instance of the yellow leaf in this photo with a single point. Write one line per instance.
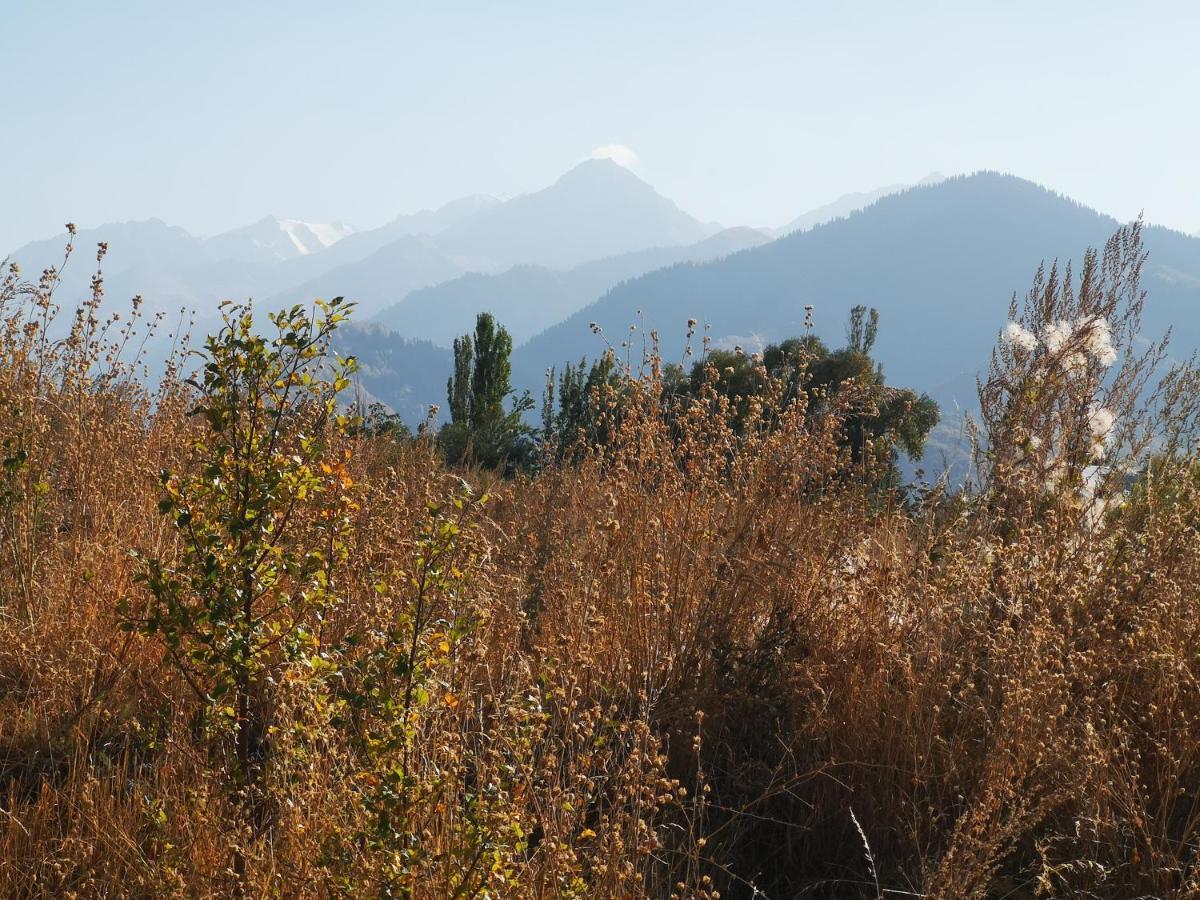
(451, 700)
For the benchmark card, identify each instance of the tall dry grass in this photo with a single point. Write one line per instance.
(707, 658)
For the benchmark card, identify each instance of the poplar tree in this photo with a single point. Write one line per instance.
(480, 429)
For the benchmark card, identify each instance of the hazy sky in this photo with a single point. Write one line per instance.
(213, 114)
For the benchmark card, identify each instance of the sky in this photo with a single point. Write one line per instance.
(212, 115)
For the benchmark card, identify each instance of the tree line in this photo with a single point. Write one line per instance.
(489, 424)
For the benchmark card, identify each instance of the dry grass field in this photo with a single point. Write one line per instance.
(250, 649)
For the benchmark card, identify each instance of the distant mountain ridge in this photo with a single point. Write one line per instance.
(359, 246)
(847, 204)
(597, 205)
(386, 276)
(940, 262)
(597, 209)
(272, 239)
(528, 299)
(599, 221)
(169, 267)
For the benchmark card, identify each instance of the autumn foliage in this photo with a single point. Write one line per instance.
(248, 648)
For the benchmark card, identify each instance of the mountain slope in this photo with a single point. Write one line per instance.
(171, 268)
(597, 209)
(272, 239)
(408, 376)
(141, 243)
(358, 246)
(845, 205)
(939, 262)
(529, 299)
(384, 277)
(139, 253)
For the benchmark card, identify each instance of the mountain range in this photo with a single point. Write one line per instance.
(528, 298)
(940, 262)
(272, 239)
(596, 210)
(845, 205)
(171, 268)
(600, 247)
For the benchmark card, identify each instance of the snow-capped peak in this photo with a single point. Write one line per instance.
(273, 239)
(308, 237)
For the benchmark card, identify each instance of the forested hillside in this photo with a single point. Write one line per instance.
(939, 262)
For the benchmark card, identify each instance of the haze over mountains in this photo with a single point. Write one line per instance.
(620, 214)
(846, 204)
(565, 245)
(272, 239)
(940, 260)
(596, 210)
(170, 267)
(528, 297)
